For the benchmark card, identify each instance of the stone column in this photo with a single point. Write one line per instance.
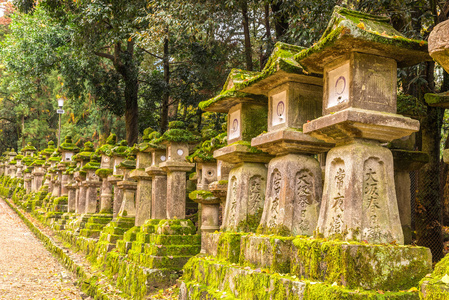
(406, 161)
(106, 196)
(91, 185)
(71, 194)
(128, 207)
(176, 168)
(80, 177)
(113, 179)
(144, 187)
(159, 185)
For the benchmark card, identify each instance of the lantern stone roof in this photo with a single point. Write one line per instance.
(350, 30)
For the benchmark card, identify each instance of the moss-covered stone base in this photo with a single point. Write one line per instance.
(436, 285)
(208, 278)
(349, 265)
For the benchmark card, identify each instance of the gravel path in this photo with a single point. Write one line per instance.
(27, 269)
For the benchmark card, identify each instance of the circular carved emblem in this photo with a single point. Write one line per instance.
(340, 85)
(163, 158)
(280, 108)
(180, 152)
(235, 125)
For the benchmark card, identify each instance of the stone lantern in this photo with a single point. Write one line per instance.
(118, 155)
(92, 183)
(47, 152)
(38, 173)
(128, 187)
(67, 150)
(158, 178)
(144, 182)
(105, 170)
(247, 118)
(19, 165)
(11, 164)
(79, 175)
(358, 56)
(53, 171)
(177, 141)
(206, 172)
(29, 150)
(2, 166)
(294, 183)
(71, 187)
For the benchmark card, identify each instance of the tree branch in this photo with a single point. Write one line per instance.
(154, 55)
(105, 55)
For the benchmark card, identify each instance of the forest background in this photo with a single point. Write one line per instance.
(123, 66)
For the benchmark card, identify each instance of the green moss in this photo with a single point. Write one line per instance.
(206, 151)
(359, 264)
(349, 28)
(29, 147)
(439, 100)
(91, 166)
(68, 145)
(103, 173)
(200, 194)
(248, 145)
(409, 105)
(178, 136)
(223, 182)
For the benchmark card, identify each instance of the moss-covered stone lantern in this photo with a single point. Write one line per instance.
(71, 187)
(293, 192)
(47, 152)
(144, 182)
(177, 140)
(38, 172)
(104, 171)
(118, 154)
(11, 166)
(29, 150)
(247, 118)
(19, 165)
(358, 55)
(82, 158)
(91, 184)
(158, 177)
(128, 187)
(206, 172)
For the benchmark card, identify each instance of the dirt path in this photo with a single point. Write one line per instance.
(27, 269)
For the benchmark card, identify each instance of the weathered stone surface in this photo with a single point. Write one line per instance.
(351, 123)
(128, 207)
(350, 31)
(246, 120)
(359, 199)
(360, 80)
(238, 153)
(245, 198)
(439, 44)
(293, 196)
(284, 141)
(143, 200)
(408, 161)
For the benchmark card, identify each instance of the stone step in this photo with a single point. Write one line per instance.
(351, 264)
(171, 250)
(209, 278)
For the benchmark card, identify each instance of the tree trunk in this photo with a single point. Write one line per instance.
(280, 20)
(166, 95)
(125, 65)
(428, 202)
(269, 42)
(248, 50)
